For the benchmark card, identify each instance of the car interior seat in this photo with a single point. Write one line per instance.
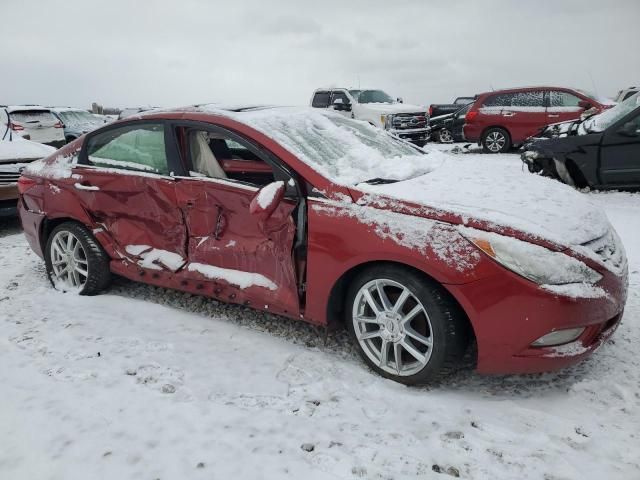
(204, 160)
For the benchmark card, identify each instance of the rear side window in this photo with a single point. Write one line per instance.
(320, 100)
(528, 99)
(133, 147)
(498, 100)
(563, 99)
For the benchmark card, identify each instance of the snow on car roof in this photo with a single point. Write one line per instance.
(18, 108)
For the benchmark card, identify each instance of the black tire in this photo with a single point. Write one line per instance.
(496, 140)
(447, 322)
(97, 261)
(70, 139)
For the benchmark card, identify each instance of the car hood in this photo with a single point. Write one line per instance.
(484, 194)
(392, 108)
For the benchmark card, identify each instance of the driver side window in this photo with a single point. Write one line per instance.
(217, 155)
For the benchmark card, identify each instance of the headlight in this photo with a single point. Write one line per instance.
(536, 263)
(387, 121)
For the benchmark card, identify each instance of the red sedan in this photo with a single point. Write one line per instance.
(315, 216)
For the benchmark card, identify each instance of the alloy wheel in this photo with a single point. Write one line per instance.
(392, 327)
(495, 141)
(445, 136)
(69, 264)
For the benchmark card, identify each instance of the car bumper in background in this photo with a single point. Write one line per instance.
(413, 135)
(8, 200)
(509, 313)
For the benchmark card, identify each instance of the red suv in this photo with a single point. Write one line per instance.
(325, 219)
(504, 118)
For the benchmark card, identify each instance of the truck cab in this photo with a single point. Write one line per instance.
(410, 122)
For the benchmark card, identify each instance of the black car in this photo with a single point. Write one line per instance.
(602, 151)
(448, 128)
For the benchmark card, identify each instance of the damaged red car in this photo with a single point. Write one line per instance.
(329, 220)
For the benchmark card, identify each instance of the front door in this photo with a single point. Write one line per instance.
(122, 181)
(248, 257)
(620, 155)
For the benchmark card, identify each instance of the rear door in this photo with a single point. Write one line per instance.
(620, 154)
(525, 115)
(123, 181)
(41, 125)
(563, 107)
(250, 259)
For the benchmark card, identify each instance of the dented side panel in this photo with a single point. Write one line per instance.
(254, 253)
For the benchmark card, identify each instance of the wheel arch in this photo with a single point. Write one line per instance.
(338, 293)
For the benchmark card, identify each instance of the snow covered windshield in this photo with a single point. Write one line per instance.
(374, 96)
(72, 117)
(604, 120)
(345, 151)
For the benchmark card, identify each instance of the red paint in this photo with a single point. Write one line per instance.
(209, 222)
(519, 123)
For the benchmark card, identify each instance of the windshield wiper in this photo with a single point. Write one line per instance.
(379, 181)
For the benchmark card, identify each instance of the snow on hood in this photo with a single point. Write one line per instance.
(478, 187)
(394, 107)
(19, 149)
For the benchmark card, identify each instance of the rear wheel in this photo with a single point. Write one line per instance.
(496, 140)
(405, 326)
(75, 260)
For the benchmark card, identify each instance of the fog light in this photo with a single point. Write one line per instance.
(558, 337)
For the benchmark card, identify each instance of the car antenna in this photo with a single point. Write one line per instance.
(595, 89)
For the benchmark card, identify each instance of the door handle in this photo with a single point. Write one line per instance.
(553, 116)
(85, 186)
(190, 203)
(508, 114)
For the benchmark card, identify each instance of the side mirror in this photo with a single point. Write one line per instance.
(584, 105)
(267, 199)
(338, 104)
(400, 100)
(629, 129)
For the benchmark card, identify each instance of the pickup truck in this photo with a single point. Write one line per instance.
(439, 109)
(410, 122)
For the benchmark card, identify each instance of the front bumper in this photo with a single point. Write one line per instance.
(509, 313)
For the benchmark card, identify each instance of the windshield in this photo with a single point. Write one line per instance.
(604, 120)
(73, 117)
(374, 96)
(343, 150)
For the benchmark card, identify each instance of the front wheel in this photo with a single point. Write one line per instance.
(444, 136)
(75, 260)
(496, 140)
(405, 326)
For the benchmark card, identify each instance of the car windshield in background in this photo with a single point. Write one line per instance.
(604, 120)
(78, 118)
(374, 96)
(345, 151)
(26, 117)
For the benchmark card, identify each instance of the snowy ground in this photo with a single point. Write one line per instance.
(146, 383)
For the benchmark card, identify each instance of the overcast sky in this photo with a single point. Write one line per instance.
(168, 52)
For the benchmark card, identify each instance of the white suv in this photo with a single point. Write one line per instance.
(410, 122)
(36, 123)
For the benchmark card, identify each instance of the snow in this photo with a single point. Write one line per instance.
(144, 382)
(474, 185)
(234, 277)
(576, 290)
(154, 258)
(20, 149)
(268, 193)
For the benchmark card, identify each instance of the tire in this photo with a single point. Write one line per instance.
(69, 139)
(431, 344)
(496, 140)
(444, 136)
(89, 264)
